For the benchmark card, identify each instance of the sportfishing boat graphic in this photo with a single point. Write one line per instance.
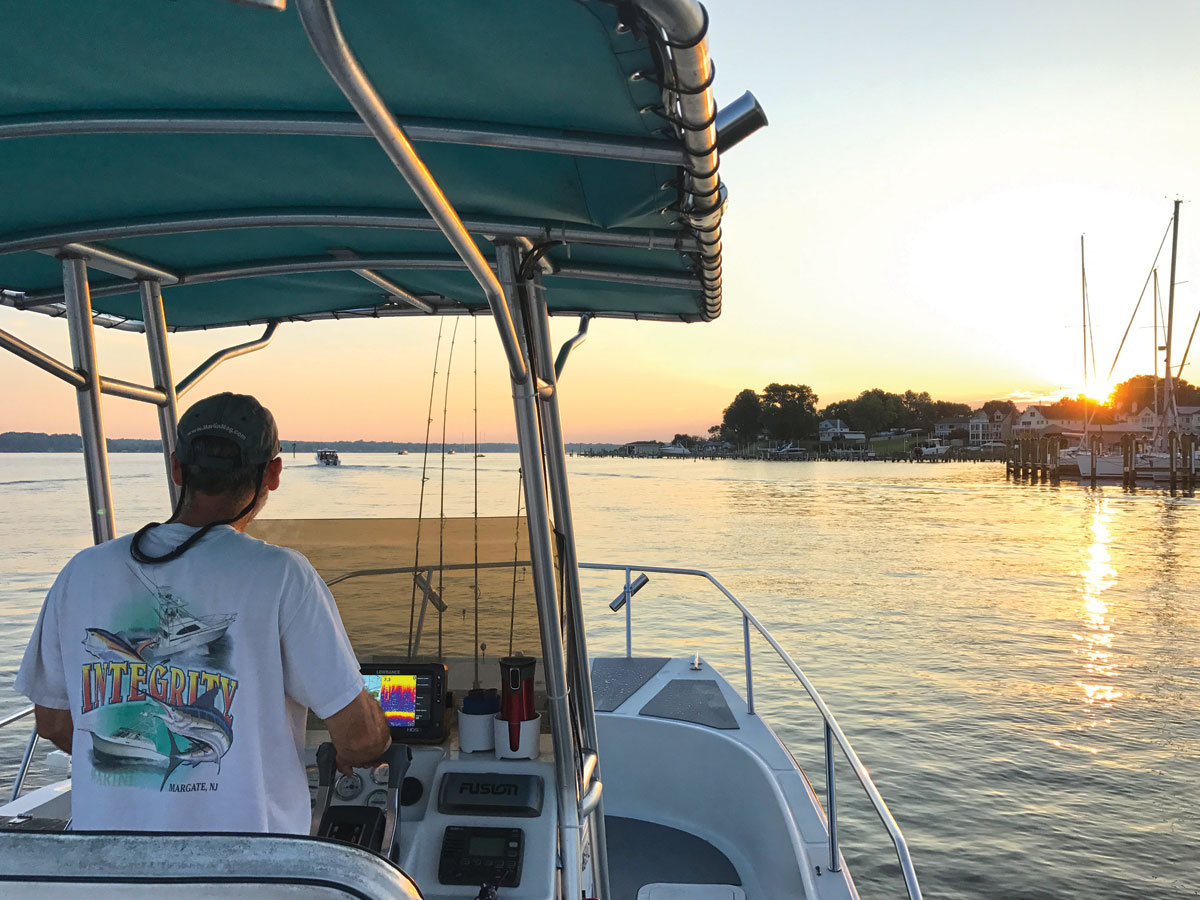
(178, 629)
(208, 733)
(126, 744)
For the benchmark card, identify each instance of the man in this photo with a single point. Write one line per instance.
(177, 665)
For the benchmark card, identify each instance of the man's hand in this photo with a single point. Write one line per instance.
(55, 725)
(359, 733)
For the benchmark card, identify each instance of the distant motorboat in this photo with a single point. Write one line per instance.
(328, 458)
(675, 450)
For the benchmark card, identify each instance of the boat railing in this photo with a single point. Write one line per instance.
(30, 745)
(634, 580)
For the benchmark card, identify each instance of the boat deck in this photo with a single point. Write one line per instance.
(641, 853)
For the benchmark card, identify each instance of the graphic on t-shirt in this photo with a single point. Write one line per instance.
(160, 693)
(112, 647)
(208, 733)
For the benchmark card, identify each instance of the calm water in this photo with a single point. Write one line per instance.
(1017, 666)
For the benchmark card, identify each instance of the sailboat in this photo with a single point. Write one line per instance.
(1155, 460)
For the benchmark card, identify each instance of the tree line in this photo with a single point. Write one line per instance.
(790, 412)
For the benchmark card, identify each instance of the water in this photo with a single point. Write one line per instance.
(1016, 665)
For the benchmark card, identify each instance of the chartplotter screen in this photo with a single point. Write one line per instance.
(413, 697)
(397, 694)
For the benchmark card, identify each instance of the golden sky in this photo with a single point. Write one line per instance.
(909, 219)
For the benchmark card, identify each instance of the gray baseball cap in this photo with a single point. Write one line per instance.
(239, 419)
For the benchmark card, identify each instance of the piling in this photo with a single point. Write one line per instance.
(1189, 461)
(1095, 452)
(1128, 461)
(1173, 458)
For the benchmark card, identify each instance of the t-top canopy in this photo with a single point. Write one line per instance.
(203, 144)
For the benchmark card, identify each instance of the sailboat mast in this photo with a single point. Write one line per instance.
(1083, 296)
(1169, 411)
(1156, 347)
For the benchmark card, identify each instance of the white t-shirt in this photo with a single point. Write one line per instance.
(188, 681)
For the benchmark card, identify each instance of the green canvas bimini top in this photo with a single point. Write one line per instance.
(206, 139)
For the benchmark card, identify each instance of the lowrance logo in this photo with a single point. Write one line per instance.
(493, 789)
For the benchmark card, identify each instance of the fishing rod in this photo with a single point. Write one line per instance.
(412, 611)
(442, 499)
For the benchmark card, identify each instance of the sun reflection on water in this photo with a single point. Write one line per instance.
(1096, 639)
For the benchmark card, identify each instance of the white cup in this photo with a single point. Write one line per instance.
(531, 733)
(476, 732)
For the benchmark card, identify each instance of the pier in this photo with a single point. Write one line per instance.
(1037, 459)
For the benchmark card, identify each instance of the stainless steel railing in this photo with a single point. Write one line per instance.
(19, 781)
(833, 732)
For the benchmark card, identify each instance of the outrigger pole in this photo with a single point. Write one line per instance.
(320, 23)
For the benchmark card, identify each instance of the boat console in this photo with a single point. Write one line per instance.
(453, 820)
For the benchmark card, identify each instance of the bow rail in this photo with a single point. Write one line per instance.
(833, 731)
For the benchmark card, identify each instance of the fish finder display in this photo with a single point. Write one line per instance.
(413, 697)
(397, 694)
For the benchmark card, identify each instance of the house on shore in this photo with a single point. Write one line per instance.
(1145, 418)
(835, 431)
(943, 428)
(1037, 420)
(642, 448)
(1187, 418)
(985, 429)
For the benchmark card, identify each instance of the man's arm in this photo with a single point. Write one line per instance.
(359, 732)
(55, 725)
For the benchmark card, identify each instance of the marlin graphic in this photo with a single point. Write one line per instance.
(111, 647)
(210, 734)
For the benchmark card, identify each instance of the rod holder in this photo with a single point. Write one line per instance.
(738, 120)
(622, 598)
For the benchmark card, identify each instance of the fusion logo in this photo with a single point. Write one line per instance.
(494, 788)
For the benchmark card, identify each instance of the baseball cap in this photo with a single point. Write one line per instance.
(239, 419)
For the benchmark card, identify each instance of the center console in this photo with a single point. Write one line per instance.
(462, 819)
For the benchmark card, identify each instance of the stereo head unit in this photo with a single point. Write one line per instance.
(413, 697)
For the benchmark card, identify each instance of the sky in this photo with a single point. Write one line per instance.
(910, 219)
